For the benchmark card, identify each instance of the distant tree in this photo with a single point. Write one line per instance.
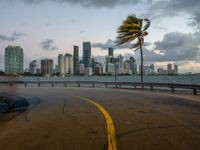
(134, 29)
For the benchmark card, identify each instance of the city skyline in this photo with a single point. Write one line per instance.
(68, 64)
(171, 39)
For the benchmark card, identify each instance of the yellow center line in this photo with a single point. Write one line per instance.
(110, 125)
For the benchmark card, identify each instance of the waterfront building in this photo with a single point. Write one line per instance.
(110, 51)
(175, 69)
(69, 64)
(88, 71)
(169, 69)
(34, 67)
(81, 68)
(47, 66)
(14, 59)
(120, 63)
(61, 64)
(87, 54)
(76, 60)
(107, 62)
(127, 67)
(110, 68)
(99, 69)
(133, 66)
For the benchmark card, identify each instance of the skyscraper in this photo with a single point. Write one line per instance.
(175, 69)
(133, 65)
(14, 59)
(120, 64)
(47, 66)
(110, 51)
(76, 60)
(86, 53)
(169, 69)
(61, 64)
(69, 69)
(33, 67)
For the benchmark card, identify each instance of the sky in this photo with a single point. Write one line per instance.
(46, 28)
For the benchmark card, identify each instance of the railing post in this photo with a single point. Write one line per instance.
(79, 84)
(106, 85)
(93, 84)
(194, 91)
(172, 89)
(151, 88)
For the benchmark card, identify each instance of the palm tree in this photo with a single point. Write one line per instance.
(134, 29)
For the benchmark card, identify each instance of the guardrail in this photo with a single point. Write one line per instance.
(193, 87)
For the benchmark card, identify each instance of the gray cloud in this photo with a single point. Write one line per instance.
(110, 43)
(15, 36)
(171, 8)
(48, 45)
(85, 3)
(178, 46)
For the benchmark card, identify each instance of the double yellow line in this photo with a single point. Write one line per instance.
(112, 145)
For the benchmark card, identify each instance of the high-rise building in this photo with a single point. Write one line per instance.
(120, 63)
(127, 67)
(47, 66)
(14, 59)
(108, 61)
(76, 60)
(69, 64)
(86, 53)
(169, 69)
(133, 65)
(34, 67)
(110, 51)
(175, 69)
(81, 68)
(61, 64)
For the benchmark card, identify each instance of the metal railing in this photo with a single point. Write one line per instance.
(152, 85)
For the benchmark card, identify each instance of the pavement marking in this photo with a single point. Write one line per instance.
(112, 144)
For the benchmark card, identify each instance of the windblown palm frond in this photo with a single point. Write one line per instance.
(134, 29)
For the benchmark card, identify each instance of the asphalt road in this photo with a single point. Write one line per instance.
(78, 119)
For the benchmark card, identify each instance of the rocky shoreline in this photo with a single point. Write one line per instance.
(12, 103)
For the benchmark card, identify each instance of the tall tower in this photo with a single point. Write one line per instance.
(14, 59)
(61, 64)
(169, 69)
(47, 66)
(133, 65)
(110, 51)
(121, 59)
(86, 53)
(69, 69)
(175, 69)
(76, 60)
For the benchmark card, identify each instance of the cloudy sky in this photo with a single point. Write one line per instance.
(45, 28)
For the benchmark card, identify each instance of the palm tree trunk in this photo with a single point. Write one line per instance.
(141, 67)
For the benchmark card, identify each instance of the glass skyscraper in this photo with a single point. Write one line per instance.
(14, 59)
(86, 54)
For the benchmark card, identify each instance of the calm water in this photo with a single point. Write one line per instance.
(161, 79)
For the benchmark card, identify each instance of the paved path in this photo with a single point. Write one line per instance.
(76, 119)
